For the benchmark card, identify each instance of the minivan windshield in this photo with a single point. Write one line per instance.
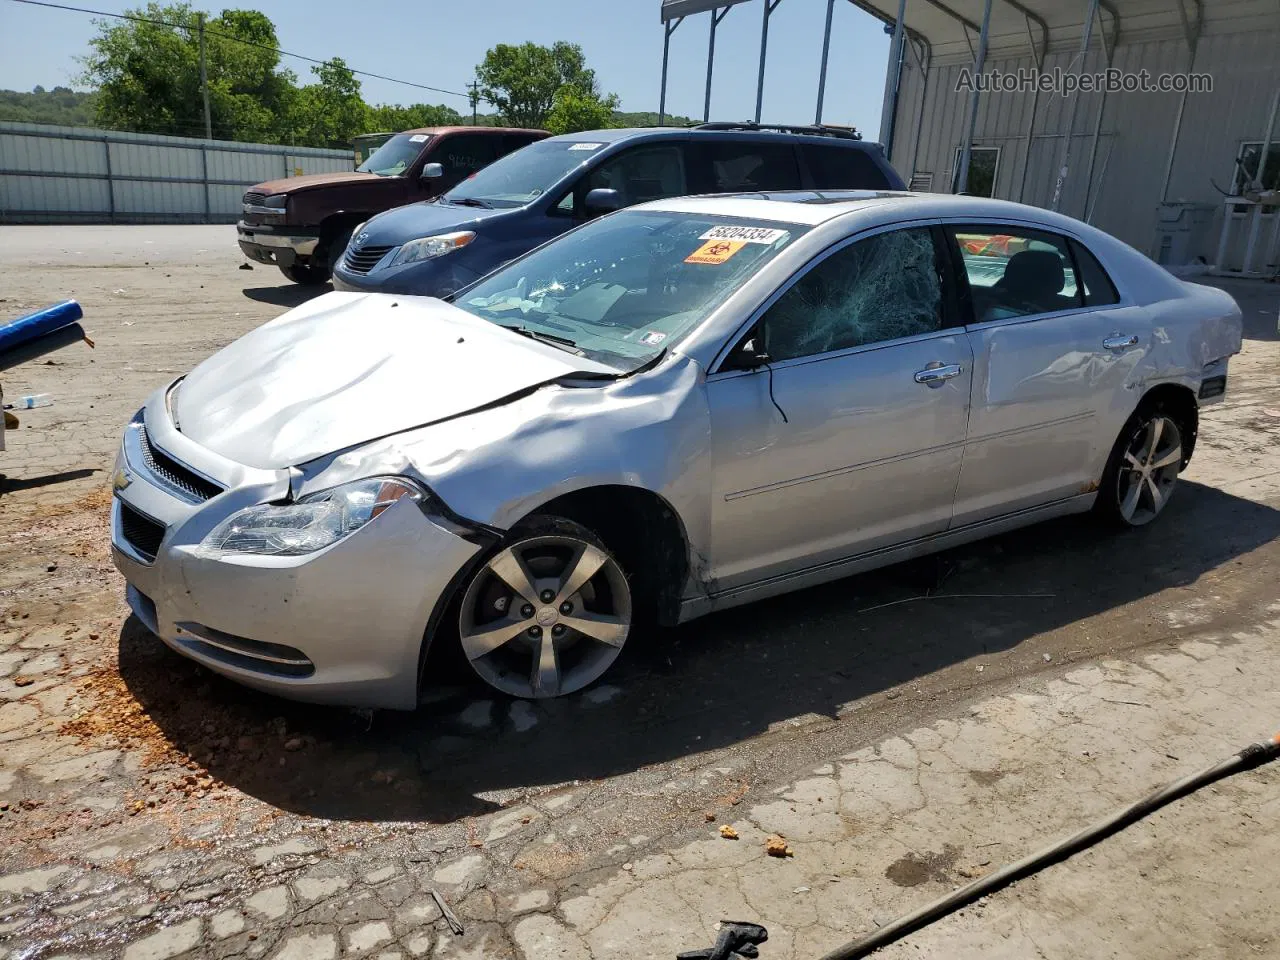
(393, 158)
(523, 176)
(623, 288)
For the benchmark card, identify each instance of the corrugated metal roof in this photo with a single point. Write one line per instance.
(675, 9)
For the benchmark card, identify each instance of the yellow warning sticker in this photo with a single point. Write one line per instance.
(715, 251)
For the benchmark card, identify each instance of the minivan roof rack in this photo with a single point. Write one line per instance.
(813, 130)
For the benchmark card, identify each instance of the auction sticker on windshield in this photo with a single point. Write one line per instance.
(715, 251)
(744, 234)
(586, 146)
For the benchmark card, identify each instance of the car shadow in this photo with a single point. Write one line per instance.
(287, 295)
(708, 684)
(12, 485)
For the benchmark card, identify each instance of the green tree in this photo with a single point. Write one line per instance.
(575, 109)
(329, 113)
(522, 81)
(148, 73)
(392, 117)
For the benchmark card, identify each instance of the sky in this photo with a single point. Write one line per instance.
(439, 42)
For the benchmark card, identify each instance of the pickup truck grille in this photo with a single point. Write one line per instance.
(363, 259)
(252, 199)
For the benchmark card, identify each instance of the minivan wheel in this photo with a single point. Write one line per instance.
(1143, 468)
(548, 613)
(307, 274)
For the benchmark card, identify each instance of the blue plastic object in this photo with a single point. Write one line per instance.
(38, 324)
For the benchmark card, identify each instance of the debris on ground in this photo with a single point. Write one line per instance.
(776, 846)
(728, 832)
(450, 917)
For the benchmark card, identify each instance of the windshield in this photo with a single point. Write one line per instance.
(394, 157)
(622, 289)
(522, 176)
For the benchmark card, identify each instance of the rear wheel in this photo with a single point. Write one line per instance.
(306, 273)
(1143, 469)
(548, 613)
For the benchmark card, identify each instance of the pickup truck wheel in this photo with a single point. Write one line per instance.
(307, 274)
(337, 246)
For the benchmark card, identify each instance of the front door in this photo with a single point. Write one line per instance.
(851, 438)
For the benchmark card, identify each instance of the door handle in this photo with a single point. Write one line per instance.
(1119, 341)
(934, 376)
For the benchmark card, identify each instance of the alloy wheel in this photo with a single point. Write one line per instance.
(1148, 470)
(545, 616)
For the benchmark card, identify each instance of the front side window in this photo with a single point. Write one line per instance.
(395, 156)
(644, 173)
(623, 288)
(461, 156)
(881, 288)
(1015, 272)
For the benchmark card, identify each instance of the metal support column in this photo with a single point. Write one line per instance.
(204, 175)
(667, 30)
(1255, 218)
(979, 60)
(1191, 32)
(822, 73)
(893, 79)
(111, 184)
(1075, 105)
(716, 17)
(1109, 53)
(769, 7)
(1037, 57)
(925, 69)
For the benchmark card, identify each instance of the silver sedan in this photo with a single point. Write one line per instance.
(672, 410)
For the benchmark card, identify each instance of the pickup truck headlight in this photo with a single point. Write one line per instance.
(428, 248)
(277, 201)
(314, 522)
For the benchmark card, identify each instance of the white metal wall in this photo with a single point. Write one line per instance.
(52, 174)
(1135, 138)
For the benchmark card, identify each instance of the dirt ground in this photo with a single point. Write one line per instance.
(140, 794)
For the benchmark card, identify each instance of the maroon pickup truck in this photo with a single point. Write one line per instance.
(302, 224)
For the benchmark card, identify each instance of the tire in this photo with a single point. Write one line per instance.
(563, 621)
(1143, 467)
(308, 274)
(337, 245)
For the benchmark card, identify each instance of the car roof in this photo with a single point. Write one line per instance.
(469, 129)
(812, 207)
(618, 134)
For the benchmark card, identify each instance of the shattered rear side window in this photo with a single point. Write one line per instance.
(880, 288)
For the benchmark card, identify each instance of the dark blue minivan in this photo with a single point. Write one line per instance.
(542, 190)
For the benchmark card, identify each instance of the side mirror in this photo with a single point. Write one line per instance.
(602, 200)
(432, 171)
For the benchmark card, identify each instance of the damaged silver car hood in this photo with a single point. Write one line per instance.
(349, 367)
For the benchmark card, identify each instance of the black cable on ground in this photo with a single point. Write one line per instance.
(1254, 755)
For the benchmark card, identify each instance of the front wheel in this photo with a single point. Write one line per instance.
(307, 274)
(1143, 469)
(548, 613)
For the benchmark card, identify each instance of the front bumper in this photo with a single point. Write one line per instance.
(345, 625)
(281, 245)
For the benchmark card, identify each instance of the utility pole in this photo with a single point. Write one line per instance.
(475, 99)
(204, 82)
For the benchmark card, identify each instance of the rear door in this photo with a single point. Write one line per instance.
(851, 439)
(1053, 348)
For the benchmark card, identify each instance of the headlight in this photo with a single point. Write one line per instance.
(276, 201)
(312, 523)
(428, 248)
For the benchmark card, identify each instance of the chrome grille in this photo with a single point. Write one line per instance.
(253, 199)
(363, 259)
(140, 532)
(175, 474)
